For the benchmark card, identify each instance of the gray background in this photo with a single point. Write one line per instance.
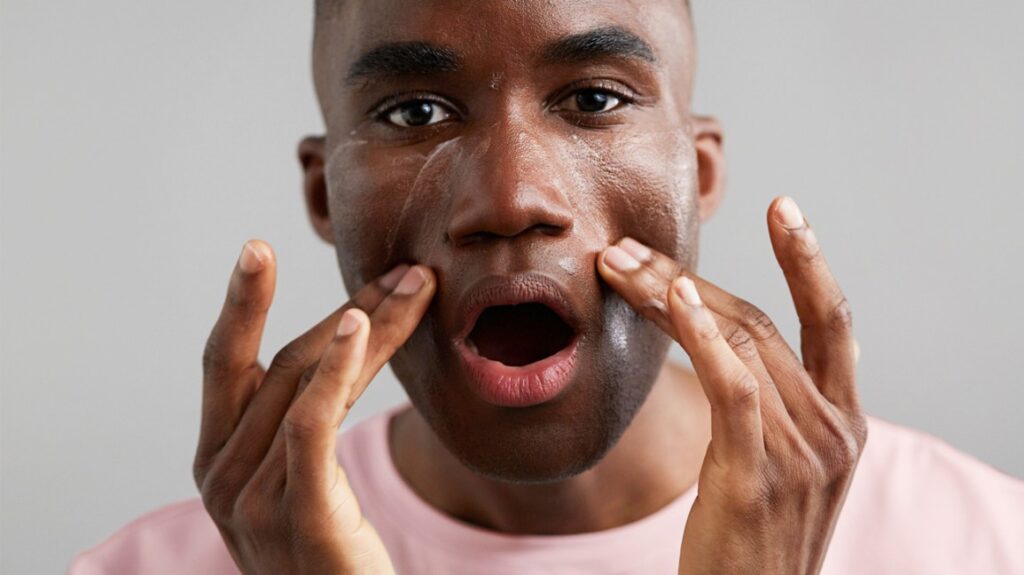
(144, 141)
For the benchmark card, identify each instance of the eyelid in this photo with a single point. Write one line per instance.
(380, 109)
(618, 89)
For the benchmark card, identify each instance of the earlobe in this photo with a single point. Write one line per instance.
(314, 185)
(707, 138)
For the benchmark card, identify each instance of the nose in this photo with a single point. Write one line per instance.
(512, 186)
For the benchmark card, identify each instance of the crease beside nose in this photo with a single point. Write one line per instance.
(510, 190)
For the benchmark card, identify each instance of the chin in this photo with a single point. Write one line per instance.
(546, 442)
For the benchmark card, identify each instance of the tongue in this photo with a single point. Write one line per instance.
(519, 334)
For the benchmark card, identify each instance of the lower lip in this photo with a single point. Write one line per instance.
(519, 386)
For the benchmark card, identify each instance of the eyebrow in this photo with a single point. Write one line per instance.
(603, 42)
(399, 59)
(403, 59)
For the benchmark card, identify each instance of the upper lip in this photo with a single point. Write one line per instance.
(517, 289)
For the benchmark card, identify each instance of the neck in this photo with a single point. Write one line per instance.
(655, 461)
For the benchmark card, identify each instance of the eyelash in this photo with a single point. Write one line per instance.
(382, 110)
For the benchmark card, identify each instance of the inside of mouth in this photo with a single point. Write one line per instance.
(520, 334)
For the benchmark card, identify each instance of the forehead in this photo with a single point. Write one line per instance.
(492, 34)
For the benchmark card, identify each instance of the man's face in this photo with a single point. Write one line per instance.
(505, 144)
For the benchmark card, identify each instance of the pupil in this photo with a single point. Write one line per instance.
(418, 113)
(591, 101)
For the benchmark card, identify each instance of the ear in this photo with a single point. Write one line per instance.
(707, 137)
(314, 186)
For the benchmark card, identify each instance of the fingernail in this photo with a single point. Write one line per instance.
(349, 323)
(687, 291)
(788, 214)
(389, 280)
(250, 260)
(619, 260)
(411, 282)
(636, 249)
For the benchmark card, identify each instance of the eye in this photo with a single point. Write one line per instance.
(591, 101)
(416, 113)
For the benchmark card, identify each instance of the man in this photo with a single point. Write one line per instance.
(515, 192)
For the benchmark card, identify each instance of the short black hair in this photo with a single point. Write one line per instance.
(322, 7)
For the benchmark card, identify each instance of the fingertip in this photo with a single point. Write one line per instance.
(429, 277)
(349, 323)
(256, 255)
(602, 264)
(689, 314)
(686, 291)
(619, 260)
(419, 281)
(389, 280)
(413, 281)
(640, 252)
(787, 214)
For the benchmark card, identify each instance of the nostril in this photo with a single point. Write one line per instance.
(552, 230)
(486, 236)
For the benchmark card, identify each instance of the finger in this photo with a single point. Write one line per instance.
(743, 325)
(393, 321)
(643, 286)
(231, 370)
(642, 276)
(731, 388)
(312, 422)
(826, 325)
(251, 440)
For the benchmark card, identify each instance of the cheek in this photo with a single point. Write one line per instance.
(379, 200)
(648, 189)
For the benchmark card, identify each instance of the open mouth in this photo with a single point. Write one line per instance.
(519, 339)
(518, 335)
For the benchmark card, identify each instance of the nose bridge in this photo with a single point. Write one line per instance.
(511, 185)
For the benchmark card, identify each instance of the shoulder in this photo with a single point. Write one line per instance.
(916, 500)
(176, 538)
(917, 464)
(181, 537)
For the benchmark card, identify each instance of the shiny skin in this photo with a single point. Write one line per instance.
(515, 180)
(520, 174)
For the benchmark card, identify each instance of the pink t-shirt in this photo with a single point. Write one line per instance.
(916, 505)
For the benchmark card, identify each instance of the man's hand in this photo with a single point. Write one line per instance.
(786, 435)
(266, 463)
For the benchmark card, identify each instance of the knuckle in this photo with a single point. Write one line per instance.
(844, 457)
(742, 389)
(218, 497)
(290, 357)
(307, 377)
(329, 369)
(859, 429)
(741, 342)
(251, 511)
(752, 499)
(841, 458)
(840, 317)
(756, 322)
(301, 424)
(707, 332)
(803, 470)
(214, 361)
(200, 467)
